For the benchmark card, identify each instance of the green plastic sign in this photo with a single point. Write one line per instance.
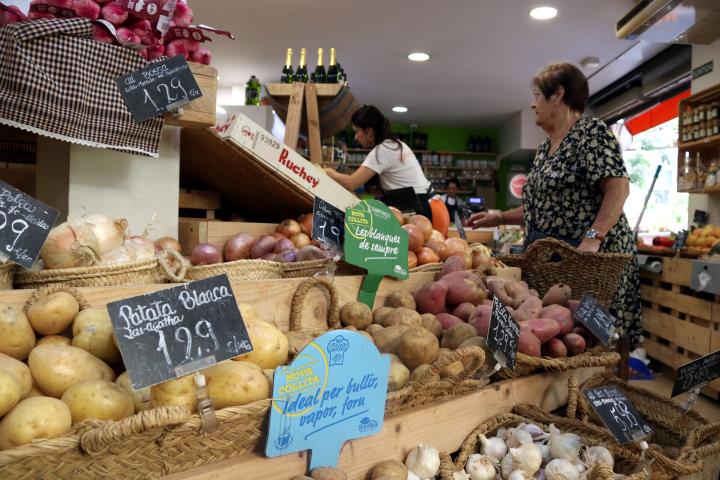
(375, 241)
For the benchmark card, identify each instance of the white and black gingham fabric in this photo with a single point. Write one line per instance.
(58, 82)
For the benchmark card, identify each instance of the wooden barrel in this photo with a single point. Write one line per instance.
(335, 112)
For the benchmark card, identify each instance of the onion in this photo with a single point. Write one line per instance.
(398, 215)
(439, 248)
(109, 233)
(427, 255)
(278, 236)
(306, 222)
(289, 228)
(437, 236)
(283, 245)
(309, 252)
(288, 256)
(238, 247)
(415, 237)
(167, 243)
(480, 260)
(262, 246)
(412, 259)
(205, 254)
(424, 224)
(300, 240)
(70, 245)
(456, 246)
(272, 257)
(133, 249)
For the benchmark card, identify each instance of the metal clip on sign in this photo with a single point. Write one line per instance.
(177, 113)
(646, 464)
(205, 405)
(691, 399)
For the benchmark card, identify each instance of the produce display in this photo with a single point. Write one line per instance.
(700, 241)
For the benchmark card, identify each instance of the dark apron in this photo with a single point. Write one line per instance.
(423, 200)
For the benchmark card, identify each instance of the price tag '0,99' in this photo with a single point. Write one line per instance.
(618, 414)
(503, 335)
(180, 330)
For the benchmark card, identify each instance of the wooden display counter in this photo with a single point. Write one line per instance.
(680, 323)
(443, 425)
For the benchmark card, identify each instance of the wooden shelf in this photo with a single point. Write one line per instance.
(703, 142)
(323, 89)
(708, 190)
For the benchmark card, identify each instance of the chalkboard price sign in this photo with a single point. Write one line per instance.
(158, 88)
(24, 225)
(180, 330)
(697, 373)
(503, 335)
(618, 414)
(328, 224)
(595, 318)
(680, 240)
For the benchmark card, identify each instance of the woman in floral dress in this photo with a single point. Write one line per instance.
(577, 186)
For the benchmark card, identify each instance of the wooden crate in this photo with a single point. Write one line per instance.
(680, 324)
(200, 113)
(194, 231)
(473, 236)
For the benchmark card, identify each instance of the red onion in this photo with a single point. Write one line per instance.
(238, 247)
(283, 245)
(263, 246)
(205, 254)
(288, 256)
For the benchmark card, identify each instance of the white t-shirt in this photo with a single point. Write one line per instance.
(385, 161)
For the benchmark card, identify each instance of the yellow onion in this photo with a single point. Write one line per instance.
(110, 233)
(70, 245)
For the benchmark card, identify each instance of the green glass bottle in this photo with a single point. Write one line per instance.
(287, 72)
(319, 75)
(342, 76)
(332, 74)
(252, 91)
(301, 74)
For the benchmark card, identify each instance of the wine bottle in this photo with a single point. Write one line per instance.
(319, 75)
(342, 76)
(332, 74)
(301, 74)
(252, 91)
(287, 72)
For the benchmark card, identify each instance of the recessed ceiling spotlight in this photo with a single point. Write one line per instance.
(419, 57)
(543, 13)
(590, 62)
(399, 109)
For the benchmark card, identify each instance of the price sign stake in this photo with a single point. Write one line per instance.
(503, 335)
(618, 414)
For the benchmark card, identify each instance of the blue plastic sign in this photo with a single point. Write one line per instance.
(334, 391)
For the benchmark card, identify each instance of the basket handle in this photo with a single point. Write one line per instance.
(541, 250)
(701, 433)
(42, 292)
(298, 301)
(475, 354)
(98, 440)
(177, 274)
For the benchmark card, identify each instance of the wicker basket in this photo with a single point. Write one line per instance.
(550, 261)
(672, 426)
(144, 272)
(305, 269)
(527, 364)
(298, 336)
(7, 273)
(238, 270)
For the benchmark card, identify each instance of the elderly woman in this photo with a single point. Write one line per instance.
(577, 186)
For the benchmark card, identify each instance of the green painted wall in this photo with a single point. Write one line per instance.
(451, 138)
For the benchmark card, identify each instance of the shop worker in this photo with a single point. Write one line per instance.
(577, 185)
(451, 199)
(390, 159)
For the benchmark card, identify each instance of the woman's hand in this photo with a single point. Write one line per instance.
(589, 245)
(483, 219)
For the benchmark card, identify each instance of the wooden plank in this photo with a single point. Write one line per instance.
(294, 116)
(715, 341)
(199, 113)
(313, 122)
(692, 337)
(473, 236)
(199, 199)
(403, 432)
(696, 307)
(657, 295)
(661, 353)
(677, 271)
(271, 298)
(659, 324)
(191, 233)
(197, 231)
(285, 89)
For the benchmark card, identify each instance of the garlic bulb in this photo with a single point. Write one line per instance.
(579, 466)
(565, 446)
(412, 476)
(493, 447)
(519, 475)
(423, 461)
(461, 475)
(536, 432)
(480, 467)
(545, 451)
(515, 437)
(527, 458)
(560, 469)
(501, 432)
(598, 454)
(506, 466)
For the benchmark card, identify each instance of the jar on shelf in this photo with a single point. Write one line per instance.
(700, 171)
(702, 127)
(712, 174)
(714, 128)
(686, 179)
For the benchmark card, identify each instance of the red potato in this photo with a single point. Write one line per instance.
(462, 275)
(529, 344)
(480, 319)
(534, 293)
(448, 321)
(587, 336)
(518, 291)
(543, 328)
(431, 298)
(452, 264)
(464, 291)
(497, 287)
(573, 305)
(554, 348)
(463, 311)
(560, 314)
(529, 309)
(575, 343)
(558, 294)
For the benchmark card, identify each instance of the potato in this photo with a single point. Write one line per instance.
(401, 298)
(480, 319)
(528, 343)
(554, 348)
(388, 339)
(431, 298)
(372, 329)
(32, 419)
(178, 391)
(17, 337)
(351, 328)
(328, 473)
(463, 311)
(430, 322)
(93, 332)
(452, 264)
(98, 399)
(543, 328)
(57, 340)
(464, 291)
(575, 343)
(518, 291)
(403, 316)
(380, 314)
(270, 345)
(447, 321)
(562, 315)
(399, 375)
(367, 335)
(141, 398)
(53, 314)
(35, 392)
(270, 375)
(10, 391)
(453, 337)
(236, 383)
(56, 368)
(418, 346)
(558, 294)
(20, 370)
(530, 308)
(420, 371)
(389, 470)
(356, 314)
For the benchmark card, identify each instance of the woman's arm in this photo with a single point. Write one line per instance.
(489, 220)
(351, 182)
(512, 217)
(615, 191)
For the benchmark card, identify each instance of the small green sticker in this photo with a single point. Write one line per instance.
(375, 241)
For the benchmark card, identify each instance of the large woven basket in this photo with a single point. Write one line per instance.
(298, 335)
(169, 266)
(238, 270)
(527, 364)
(7, 273)
(672, 426)
(305, 269)
(550, 261)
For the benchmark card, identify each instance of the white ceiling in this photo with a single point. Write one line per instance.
(483, 52)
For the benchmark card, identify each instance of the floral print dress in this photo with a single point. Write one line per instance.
(562, 198)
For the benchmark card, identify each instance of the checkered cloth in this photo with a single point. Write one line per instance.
(58, 82)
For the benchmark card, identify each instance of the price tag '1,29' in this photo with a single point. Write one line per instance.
(179, 330)
(618, 414)
(328, 224)
(503, 335)
(697, 373)
(24, 225)
(595, 318)
(158, 88)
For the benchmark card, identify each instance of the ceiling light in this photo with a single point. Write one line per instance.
(590, 62)
(419, 57)
(543, 13)
(220, 109)
(399, 109)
